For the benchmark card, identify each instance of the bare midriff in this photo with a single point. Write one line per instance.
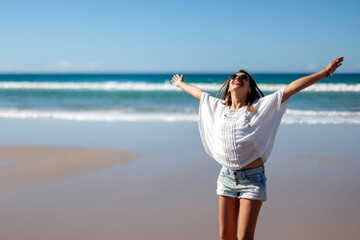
(257, 163)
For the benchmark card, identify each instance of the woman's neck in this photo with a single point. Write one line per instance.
(237, 101)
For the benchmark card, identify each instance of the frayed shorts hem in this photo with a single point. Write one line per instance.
(244, 197)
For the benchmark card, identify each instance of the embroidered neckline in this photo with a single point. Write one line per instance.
(232, 114)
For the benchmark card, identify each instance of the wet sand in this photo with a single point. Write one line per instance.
(167, 191)
(25, 167)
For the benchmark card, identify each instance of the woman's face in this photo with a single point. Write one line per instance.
(240, 82)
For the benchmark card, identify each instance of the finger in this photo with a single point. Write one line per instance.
(340, 59)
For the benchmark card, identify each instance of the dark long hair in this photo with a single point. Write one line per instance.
(251, 97)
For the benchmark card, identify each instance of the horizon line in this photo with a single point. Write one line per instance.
(155, 73)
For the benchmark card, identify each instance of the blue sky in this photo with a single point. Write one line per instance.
(178, 36)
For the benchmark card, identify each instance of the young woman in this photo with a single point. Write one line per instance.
(238, 131)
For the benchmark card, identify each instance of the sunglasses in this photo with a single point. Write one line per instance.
(243, 77)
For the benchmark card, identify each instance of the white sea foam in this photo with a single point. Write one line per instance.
(166, 86)
(100, 116)
(291, 117)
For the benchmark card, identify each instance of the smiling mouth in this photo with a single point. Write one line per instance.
(239, 83)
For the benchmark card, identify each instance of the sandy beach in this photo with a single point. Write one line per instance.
(153, 180)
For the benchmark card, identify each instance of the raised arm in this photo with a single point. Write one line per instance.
(304, 82)
(192, 90)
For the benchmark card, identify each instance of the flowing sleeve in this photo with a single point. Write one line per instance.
(271, 105)
(210, 110)
(268, 112)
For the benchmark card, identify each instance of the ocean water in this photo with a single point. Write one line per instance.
(152, 97)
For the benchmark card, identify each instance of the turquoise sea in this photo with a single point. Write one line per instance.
(151, 97)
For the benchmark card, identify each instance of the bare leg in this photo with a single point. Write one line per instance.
(248, 214)
(228, 216)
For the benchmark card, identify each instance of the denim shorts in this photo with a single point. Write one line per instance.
(250, 184)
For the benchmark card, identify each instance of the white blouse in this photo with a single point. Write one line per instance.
(235, 138)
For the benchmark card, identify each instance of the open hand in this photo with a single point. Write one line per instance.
(333, 65)
(177, 80)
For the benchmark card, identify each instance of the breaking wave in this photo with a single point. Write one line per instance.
(291, 116)
(166, 86)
